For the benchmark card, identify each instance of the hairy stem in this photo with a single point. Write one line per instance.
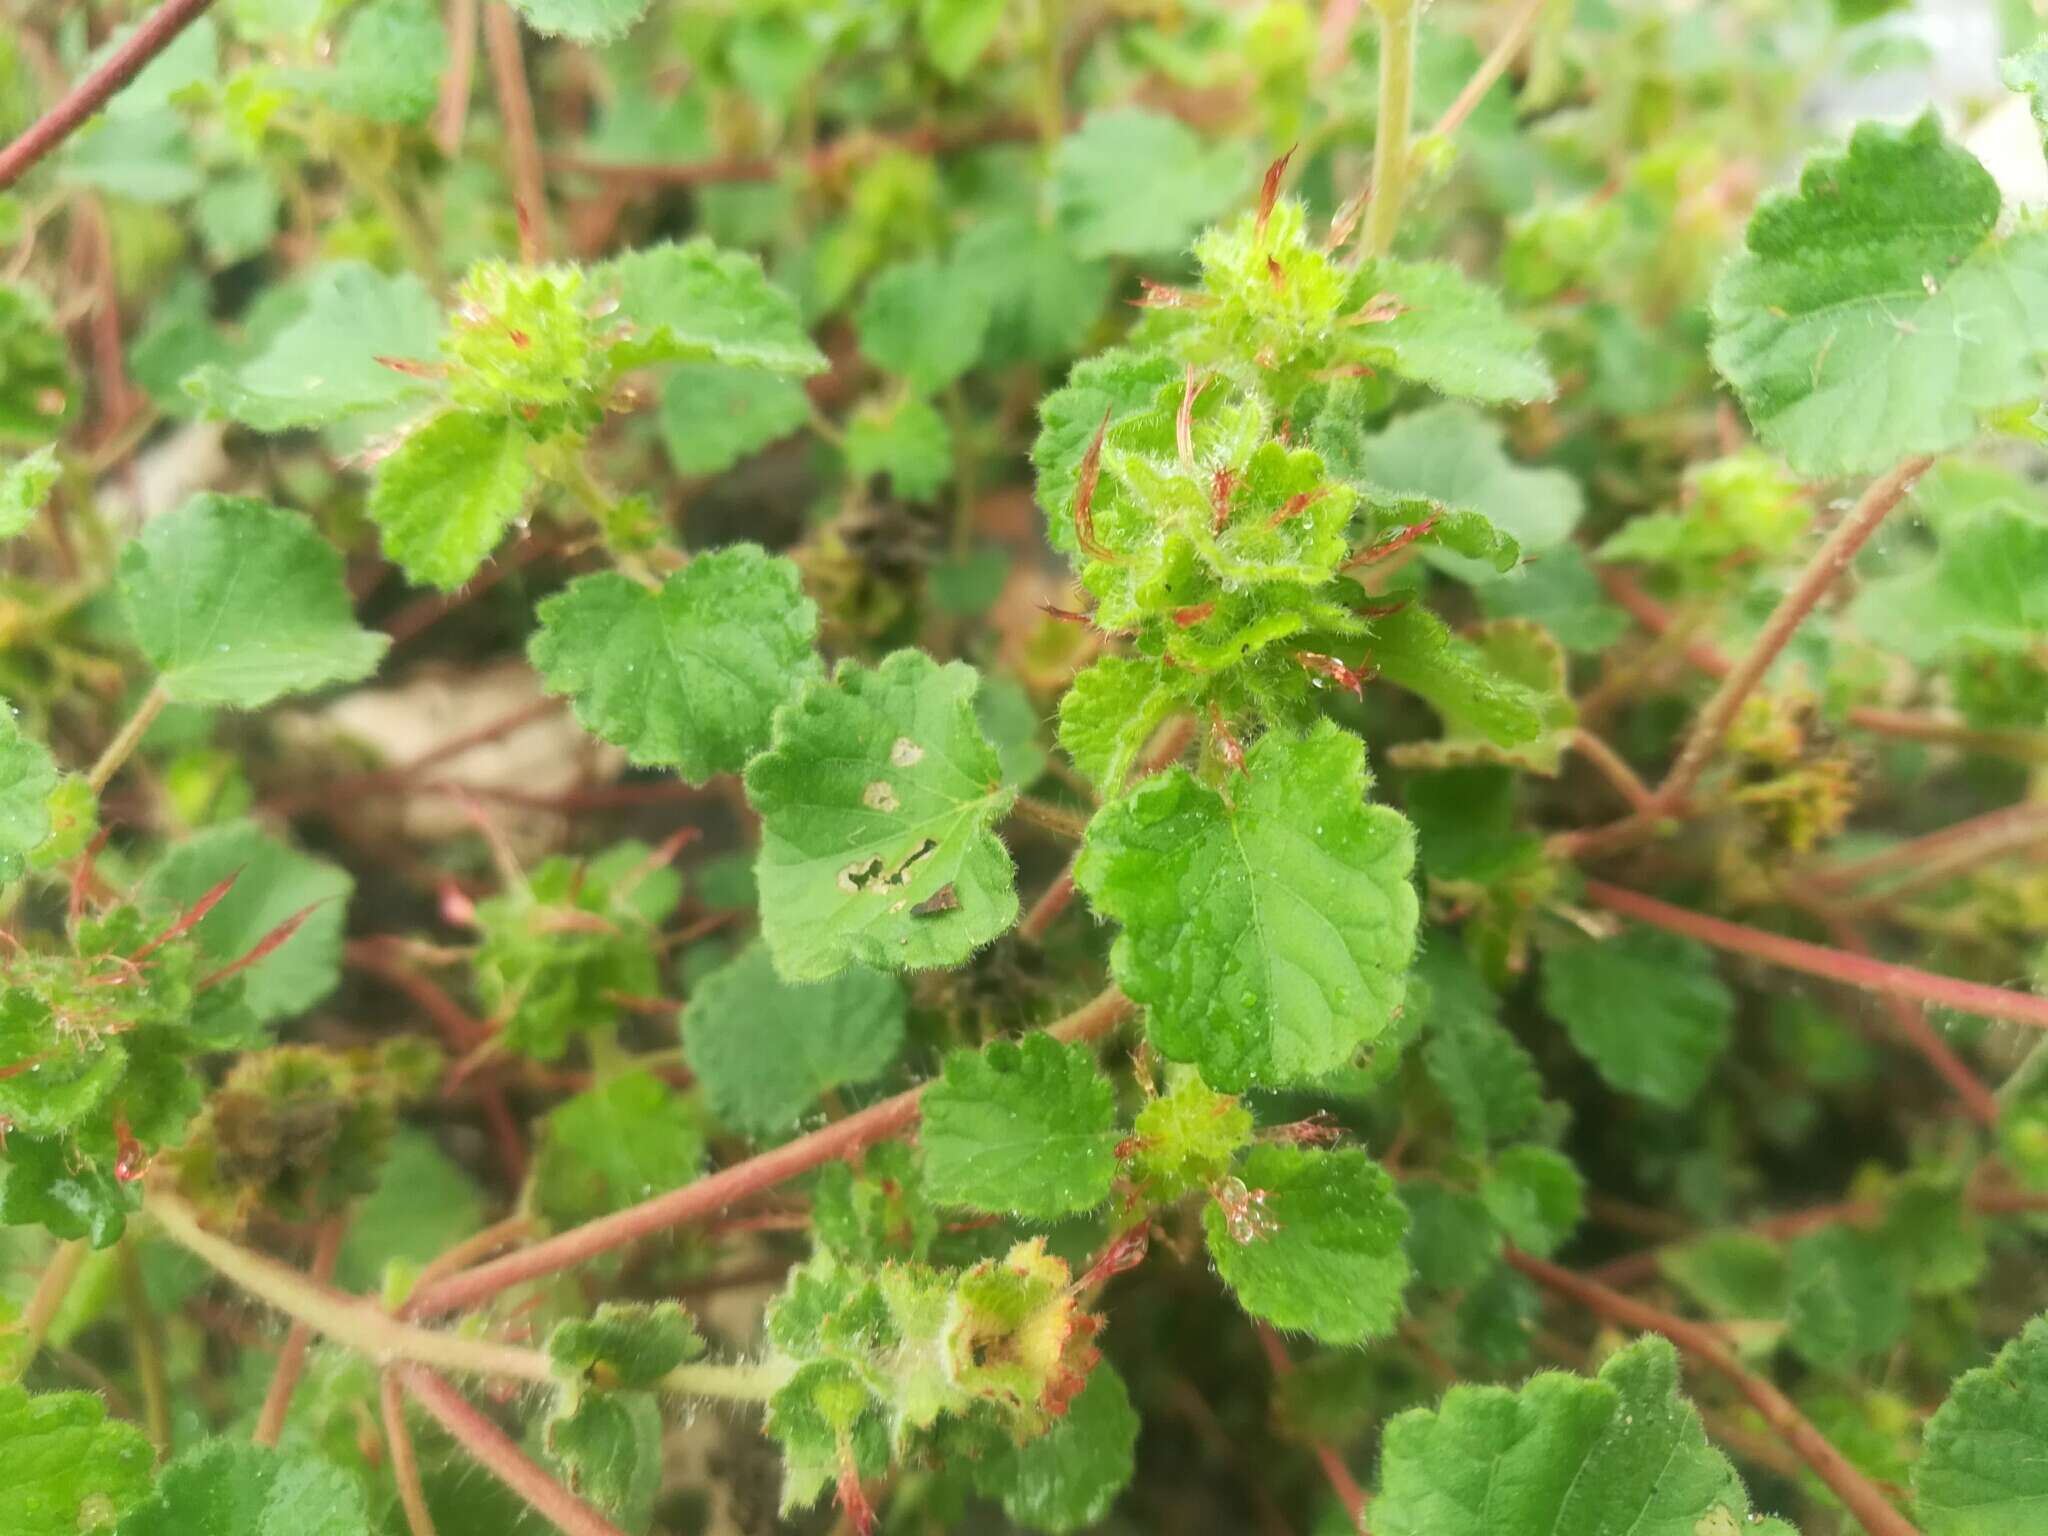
(1390, 153)
(52, 1286)
(1876, 976)
(291, 1360)
(1052, 818)
(125, 741)
(1613, 768)
(405, 1465)
(497, 1455)
(1859, 1495)
(90, 94)
(708, 1196)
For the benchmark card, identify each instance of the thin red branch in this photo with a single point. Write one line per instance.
(1858, 1494)
(708, 1196)
(1047, 909)
(405, 1466)
(291, 1360)
(1490, 69)
(1335, 1473)
(1876, 976)
(522, 137)
(376, 958)
(1614, 768)
(451, 112)
(1949, 850)
(497, 1455)
(90, 94)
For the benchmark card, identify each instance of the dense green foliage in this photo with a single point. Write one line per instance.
(1133, 766)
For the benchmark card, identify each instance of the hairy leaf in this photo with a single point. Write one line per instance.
(1027, 1128)
(1645, 1008)
(1983, 1468)
(68, 1469)
(446, 497)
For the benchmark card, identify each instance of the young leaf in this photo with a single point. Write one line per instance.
(693, 303)
(1110, 712)
(1645, 1008)
(25, 485)
(625, 1343)
(765, 1050)
(1983, 1468)
(236, 602)
(878, 802)
(272, 884)
(28, 777)
(232, 1488)
(923, 321)
(1873, 314)
(1067, 1478)
(1025, 1128)
(69, 1469)
(1137, 183)
(1563, 1454)
(1442, 329)
(1188, 1137)
(446, 497)
(1521, 655)
(687, 677)
(1315, 1243)
(1268, 939)
(320, 360)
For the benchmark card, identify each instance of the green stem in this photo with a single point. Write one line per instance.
(1390, 139)
(734, 1383)
(146, 1336)
(55, 1284)
(127, 739)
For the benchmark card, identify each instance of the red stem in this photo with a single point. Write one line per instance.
(1858, 1494)
(90, 94)
(451, 111)
(462, 1032)
(710, 1195)
(405, 1466)
(1878, 976)
(497, 1455)
(1339, 1477)
(291, 1360)
(1952, 848)
(522, 138)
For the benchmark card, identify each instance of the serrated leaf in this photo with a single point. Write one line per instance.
(1322, 1252)
(1647, 1009)
(68, 1468)
(1536, 1195)
(1873, 315)
(1563, 1456)
(1110, 712)
(766, 1050)
(1510, 652)
(878, 798)
(446, 497)
(1983, 1468)
(231, 1488)
(1131, 182)
(1268, 938)
(28, 777)
(1068, 1478)
(1484, 1073)
(25, 484)
(236, 602)
(1445, 330)
(713, 416)
(1112, 385)
(687, 677)
(609, 1450)
(273, 883)
(320, 362)
(923, 321)
(626, 1343)
(1026, 1128)
(694, 303)
(614, 1145)
(1414, 649)
(1188, 1137)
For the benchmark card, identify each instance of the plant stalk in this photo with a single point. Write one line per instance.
(127, 739)
(1390, 149)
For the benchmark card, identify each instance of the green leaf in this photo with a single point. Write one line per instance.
(388, 64)
(879, 800)
(1445, 330)
(904, 438)
(1983, 1468)
(1453, 1240)
(1536, 1195)
(766, 1050)
(232, 1488)
(25, 485)
(626, 1343)
(1115, 384)
(35, 368)
(1043, 298)
(1320, 1248)
(236, 602)
(1451, 454)
(446, 497)
(68, 1468)
(1985, 589)
(1137, 183)
(423, 1205)
(1187, 1138)
(1873, 314)
(1414, 649)
(44, 1184)
(614, 1145)
(1731, 1274)
(1561, 593)
(693, 303)
(1645, 1008)
(321, 361)
(956, 33)
(273, 883)
(2027, 73)
(1110, 712)
(1933, 1237)
(923, 321)
(28, 777)
(1068, 1478)
(1846, 1301)
(609, 1449)
(1510, 652)
(713, 416)
(1268, 939)
(1564, 1456)
(1026, 1128)
(690, 676)
(1484, 1074)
